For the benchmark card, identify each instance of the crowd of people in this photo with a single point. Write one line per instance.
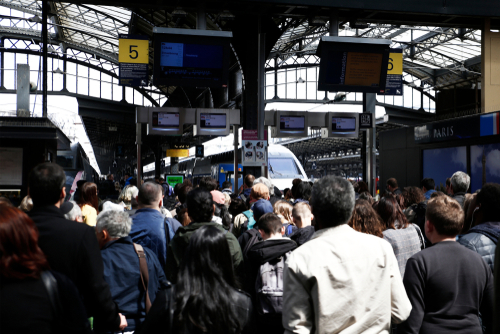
(323, 257)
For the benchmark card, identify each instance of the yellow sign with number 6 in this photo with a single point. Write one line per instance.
(395, 64)
(134, 51)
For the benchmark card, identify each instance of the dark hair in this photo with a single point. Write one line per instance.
(413, 195)
(183, 191)
(177, 187)
(89, 196)
(270, 223)
(332, 201)
(149, 193)
(208, 183)
(437, 193)
(303, 191)
(489, 198)
(366, 196)
(400, 198)
(227, 184)
(428, 183)
(390, 212)
(237, 206)
(295, 183)
(5, 201)
(222, 212)
(445, 214)
(392, 182)
(20, 256)
(45, 183)
(362, 187)
(366, 220)
(249, 178)
(448, 181)
(200, 205)
(203, 292)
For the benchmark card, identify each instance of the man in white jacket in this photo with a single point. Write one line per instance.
(341, 281)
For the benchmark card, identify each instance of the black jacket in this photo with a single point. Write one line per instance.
(157, 320)
(72, 249)
(302, 235)
(261, 253)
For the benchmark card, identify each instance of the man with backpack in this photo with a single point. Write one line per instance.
(247, 186)
(241, 221)
(264, 275)
(252, 235)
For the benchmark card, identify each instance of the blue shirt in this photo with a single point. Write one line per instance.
(148, 230)
(429, 193)
(122, 273)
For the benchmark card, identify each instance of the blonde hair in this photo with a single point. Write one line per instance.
(301, 212)
(284, 209)
(128, 193)
(26, 204)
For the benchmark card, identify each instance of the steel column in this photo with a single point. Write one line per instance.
(45, 8)
(236, 138)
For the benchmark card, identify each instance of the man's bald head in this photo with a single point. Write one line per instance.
(249, 179)
(149, 194)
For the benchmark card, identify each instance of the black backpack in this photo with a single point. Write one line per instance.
(255, 237)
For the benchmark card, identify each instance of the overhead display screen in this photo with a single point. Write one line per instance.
(344, 124)
(213, 121)
(292, 123)
(182, 58)
(353, 66)
(165, 120)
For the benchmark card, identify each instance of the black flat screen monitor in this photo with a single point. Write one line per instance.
(213, 121)
(187, 58)
(165, 120)
(292, 123)
(352, 64)
(343, 124)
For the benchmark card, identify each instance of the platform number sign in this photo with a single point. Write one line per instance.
(200, 151)
(365, 120)
(394, 79)
(133, 56)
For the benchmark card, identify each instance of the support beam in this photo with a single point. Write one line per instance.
(490, 69)
(139, 157)
(236, 138)
(370, 162)
(45, 9)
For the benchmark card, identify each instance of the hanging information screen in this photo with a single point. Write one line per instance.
(343, 124)
(394, 80)
(133, 56)
(213, 121)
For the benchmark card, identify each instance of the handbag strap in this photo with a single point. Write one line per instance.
(420, 236)
(144, 273)
(50, 283)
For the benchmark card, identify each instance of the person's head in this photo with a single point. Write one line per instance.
(303, 191)
(362, 187)
(413, 195)
(259, 191)
(302, 216)
(177, 187)
(182, 193)
(204, 284)
(444, 218)
(366, 220)
(227, 185)
(270, 226)
(112, 225)
(460, 182)
(427, 184)
(208, 183)
(332, 202)
(248, 181)
(5, 201)
(46, 185)
(111, 177)
(284, 209)
(392, 184)
(150, 196)
(20, 256)
(448, 186)
(161, 180)
(200, 205)
(126, 176)
(391, 213)
(129, 194)
(366, 196)
(72, 211)
(487, 204)
(89, 195)
(287, 193)
(266, 182)
(260, 208)
(26, 204)
(237, 206)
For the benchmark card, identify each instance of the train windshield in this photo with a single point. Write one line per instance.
(283, 168)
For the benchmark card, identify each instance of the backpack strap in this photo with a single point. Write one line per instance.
(50, 283)
(143, 265)
(420, 236)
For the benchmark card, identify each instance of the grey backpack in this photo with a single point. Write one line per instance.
(269, 286)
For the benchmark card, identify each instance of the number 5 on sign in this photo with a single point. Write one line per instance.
(133, 51)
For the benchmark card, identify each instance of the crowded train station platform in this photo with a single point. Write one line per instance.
(253, 166)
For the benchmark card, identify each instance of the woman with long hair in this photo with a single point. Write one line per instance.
(89, 203)
(405, 238)
(366, 220)
(25, 282)
(206, 298)
(283, 209)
